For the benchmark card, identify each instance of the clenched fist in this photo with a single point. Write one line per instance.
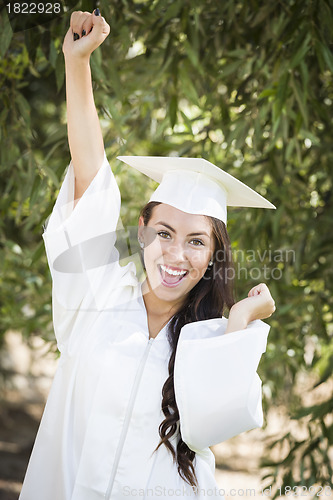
(87, 31)
(259, 304)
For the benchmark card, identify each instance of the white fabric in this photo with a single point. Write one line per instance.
(229, 362)
(100, 425)
(192, 192)
(195, 185)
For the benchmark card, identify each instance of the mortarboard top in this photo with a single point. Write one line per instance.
(195, 185)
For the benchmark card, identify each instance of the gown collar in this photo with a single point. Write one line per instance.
(162, 334)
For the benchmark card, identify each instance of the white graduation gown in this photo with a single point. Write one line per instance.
(100, 424)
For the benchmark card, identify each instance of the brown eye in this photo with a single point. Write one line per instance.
(163, 234)
(197, 243)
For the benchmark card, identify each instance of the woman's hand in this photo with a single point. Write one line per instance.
(95, 30)
(259, 304)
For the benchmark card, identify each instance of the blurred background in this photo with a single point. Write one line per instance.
(246, 85)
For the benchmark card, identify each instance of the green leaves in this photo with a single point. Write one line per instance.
(24, 108)
(6, 33)
(173, 107)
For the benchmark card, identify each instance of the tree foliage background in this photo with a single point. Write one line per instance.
(244, 84)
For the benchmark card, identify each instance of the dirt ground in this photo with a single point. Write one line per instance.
(30, 373)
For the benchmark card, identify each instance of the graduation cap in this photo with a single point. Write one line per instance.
(195, 185)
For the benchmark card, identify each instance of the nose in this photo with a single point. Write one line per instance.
(176, 252)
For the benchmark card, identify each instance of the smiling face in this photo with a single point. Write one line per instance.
(178, 247)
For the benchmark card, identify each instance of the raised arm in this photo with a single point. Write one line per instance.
(84, 132)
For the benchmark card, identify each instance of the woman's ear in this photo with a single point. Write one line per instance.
(140, 229)
(141, 223)
(146, 234)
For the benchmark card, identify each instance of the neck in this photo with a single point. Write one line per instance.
(156, 306)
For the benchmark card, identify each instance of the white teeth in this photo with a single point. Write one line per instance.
(172, 272)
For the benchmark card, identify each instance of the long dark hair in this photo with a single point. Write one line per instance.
(206, 300)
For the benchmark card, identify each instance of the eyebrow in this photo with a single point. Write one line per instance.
(173, 230)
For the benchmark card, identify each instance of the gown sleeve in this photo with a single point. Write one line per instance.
(217, 388)
(80, 247)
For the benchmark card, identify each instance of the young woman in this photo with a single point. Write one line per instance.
(151, 374)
